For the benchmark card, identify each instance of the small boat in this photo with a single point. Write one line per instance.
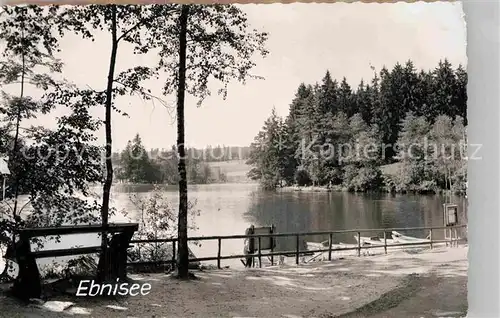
(374, 240)
(312, 246)
(400, 238)
(337, 251)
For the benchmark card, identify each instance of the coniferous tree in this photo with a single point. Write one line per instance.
(460, 93)
(292, 133)
(444, 84)
(424, 92)
(328, 95)
(266, 153)
(362, 99)
(137, 165)
(409, 88)
(346, 99)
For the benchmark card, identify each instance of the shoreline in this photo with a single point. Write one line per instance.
(338, 188)
(250, 182)
(310, 189)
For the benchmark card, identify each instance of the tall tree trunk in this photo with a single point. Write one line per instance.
(109, 164)
(15, 147)
(183, 253)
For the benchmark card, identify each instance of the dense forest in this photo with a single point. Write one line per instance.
(404, 131)
(135, 164)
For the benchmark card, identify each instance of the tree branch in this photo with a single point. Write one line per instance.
(140, 23)
(141, 94)
(124, 34)
(21, 209)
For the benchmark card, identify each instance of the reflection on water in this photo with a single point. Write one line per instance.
(228, 209)
(306, 212)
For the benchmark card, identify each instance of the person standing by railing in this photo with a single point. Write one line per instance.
(249, 248)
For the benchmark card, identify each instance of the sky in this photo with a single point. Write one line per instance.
(304, 41)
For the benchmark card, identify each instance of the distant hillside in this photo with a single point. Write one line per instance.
(207, 154)
(235, 170)
(220, 153)
(226, 163)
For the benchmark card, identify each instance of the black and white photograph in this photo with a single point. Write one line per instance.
(234, 160)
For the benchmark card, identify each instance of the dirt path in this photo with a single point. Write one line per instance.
(419, 297)
(399, 285)
(436, 297)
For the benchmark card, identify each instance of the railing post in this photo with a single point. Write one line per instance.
(456, 237)
(272, 250)
(430, 237)
(173, 254)
(359, 244)
(297, 246)
(219, 243)
(330, 242)
(452, 238)
(452, 241)
(385, 242)
(260, 253)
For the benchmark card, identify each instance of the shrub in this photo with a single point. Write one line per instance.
(157, 219)
(302, 178)
(362, 179)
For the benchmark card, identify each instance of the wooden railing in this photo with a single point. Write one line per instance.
(453, 240)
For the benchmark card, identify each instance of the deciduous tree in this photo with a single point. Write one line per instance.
(52, 167)
(203, 44)
(125, 24)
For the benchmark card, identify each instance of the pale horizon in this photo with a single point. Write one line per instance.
(305, 40)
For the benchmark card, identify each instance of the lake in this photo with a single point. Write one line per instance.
(228, 209)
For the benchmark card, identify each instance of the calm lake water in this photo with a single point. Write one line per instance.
(228, 209)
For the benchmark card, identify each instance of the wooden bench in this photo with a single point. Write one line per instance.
(28, 283)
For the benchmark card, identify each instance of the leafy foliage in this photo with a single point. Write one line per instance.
(217, 44)
(220, 47)
(158, 220)
(52, 167)
(125, 23)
